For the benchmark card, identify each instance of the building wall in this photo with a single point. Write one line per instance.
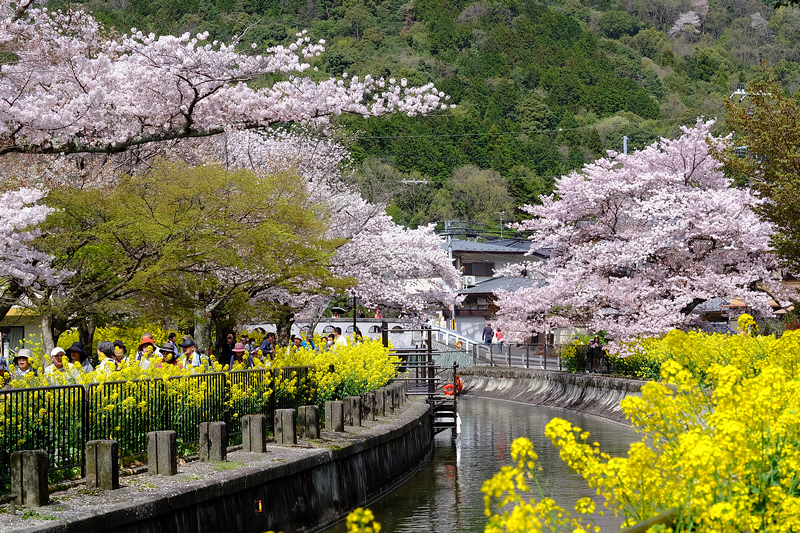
(471, 326)
(17, 326)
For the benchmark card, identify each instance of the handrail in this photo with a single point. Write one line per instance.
(445, 335)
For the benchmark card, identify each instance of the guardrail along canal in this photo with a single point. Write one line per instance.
(445, 495)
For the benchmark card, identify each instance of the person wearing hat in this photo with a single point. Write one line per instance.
(120, 351)
(77, 354)
(57, 357)
(146, 350)
(57, 373)
(191, 357)
(23, 364)
(237, 357)
(168, 353)
(227, 348)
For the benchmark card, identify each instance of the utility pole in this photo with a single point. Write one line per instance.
(501, 223)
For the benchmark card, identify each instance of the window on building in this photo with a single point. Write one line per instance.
(13, 337)
(485, 268)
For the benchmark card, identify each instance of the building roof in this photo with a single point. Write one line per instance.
(495, 284)
(712, 305)
(506, 246)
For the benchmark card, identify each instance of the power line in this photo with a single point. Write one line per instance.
(489, 134)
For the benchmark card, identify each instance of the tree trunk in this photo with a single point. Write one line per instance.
(52, 328)
(86, 329)
(202, 330)
(222, 326)
(48, 336)
(283, 324)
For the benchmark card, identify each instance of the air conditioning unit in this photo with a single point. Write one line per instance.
(469, 281)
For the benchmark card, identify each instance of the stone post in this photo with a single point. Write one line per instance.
(102, 464)
(254, 433)
(308, 416)
(213, 441)
(380, 402)
(388, 405)
(368, 406)
(29, 478)
(334, 416)
(352, 411)
(162, 453)
(284, 426)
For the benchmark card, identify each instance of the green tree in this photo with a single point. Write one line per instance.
(534, 115)
(709, 61)
(766, 130)
(615, 24)
(594, 143)
(226, 239)
(196, 244)
(478, 195)
(568, 130)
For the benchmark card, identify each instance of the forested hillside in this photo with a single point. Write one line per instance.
(541, 88)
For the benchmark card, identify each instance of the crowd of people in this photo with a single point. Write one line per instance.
(113, 356)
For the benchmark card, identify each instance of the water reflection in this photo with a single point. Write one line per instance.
(444, 496)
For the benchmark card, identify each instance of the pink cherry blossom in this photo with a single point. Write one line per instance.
(635, 240)
(20, 213)
(73, 90)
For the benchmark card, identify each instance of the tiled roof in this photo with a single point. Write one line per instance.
(507, 246)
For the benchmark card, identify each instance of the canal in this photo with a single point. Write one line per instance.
(445, 496)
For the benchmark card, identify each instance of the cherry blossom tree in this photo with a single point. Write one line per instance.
(686, 23)
(75, 87)
(20, 213)
(637, 241)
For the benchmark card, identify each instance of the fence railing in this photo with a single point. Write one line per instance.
(540, 356)
(60, 420)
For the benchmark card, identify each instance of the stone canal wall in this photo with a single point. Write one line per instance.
(590, 394)
(304, 487)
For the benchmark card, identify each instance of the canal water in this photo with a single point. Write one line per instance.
(445, 496)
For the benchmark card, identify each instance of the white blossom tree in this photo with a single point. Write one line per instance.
(686, 23)
(20, 213)
(637, 241)
(75, 88)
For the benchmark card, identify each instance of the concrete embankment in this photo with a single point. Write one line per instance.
(290, 488)
(590, 394)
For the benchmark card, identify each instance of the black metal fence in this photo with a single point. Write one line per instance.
(538, 356)
(60, 420)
